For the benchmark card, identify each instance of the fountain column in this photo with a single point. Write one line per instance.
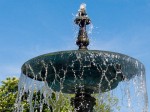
(82, 102)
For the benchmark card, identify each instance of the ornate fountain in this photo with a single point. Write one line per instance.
(82, 72)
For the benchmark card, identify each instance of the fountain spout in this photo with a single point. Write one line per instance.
(82, 20)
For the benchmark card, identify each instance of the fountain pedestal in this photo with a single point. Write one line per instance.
(83, 102)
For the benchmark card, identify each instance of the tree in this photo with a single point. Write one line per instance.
(9, 91)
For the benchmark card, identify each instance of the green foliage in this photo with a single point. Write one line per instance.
(9, 91)
(107, 106)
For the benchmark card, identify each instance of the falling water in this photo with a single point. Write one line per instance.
(130, 95)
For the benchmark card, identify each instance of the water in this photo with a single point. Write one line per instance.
(130, 95)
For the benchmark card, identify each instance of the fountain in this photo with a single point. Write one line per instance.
(81, 72)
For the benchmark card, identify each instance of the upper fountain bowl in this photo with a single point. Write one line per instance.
(91, 71)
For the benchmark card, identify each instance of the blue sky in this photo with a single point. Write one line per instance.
(29, 28)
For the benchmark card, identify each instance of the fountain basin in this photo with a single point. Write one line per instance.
(90, 71)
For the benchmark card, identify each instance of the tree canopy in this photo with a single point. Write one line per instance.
(8, 93)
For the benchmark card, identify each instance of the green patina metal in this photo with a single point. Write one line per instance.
(82, 68)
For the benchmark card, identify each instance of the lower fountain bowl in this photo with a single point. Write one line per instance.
(90, 71)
